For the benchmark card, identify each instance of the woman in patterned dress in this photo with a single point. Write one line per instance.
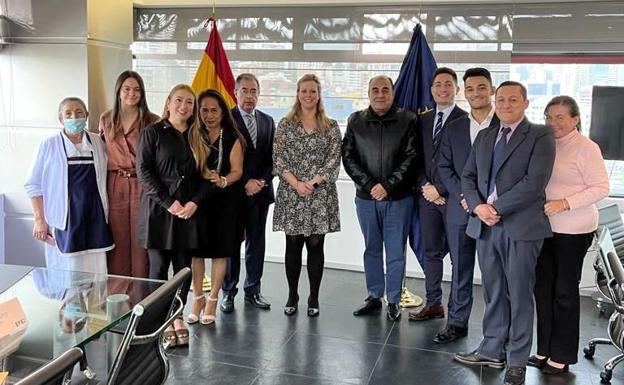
(306, 157)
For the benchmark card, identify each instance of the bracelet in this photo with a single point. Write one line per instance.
(225, 183)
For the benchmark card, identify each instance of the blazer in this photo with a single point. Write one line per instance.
(428, 170)
(258, 163)
(454, 150)
(520, 182)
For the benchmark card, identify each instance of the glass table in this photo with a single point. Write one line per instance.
(67, 309)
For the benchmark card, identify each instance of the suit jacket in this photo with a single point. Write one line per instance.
(428, 170)
(520, 182)
(454, 150)
(258, 163)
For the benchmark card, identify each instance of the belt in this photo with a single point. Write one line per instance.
(124, 173)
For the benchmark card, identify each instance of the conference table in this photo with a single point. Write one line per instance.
(64, 309)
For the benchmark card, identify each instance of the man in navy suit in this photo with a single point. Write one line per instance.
(258, 129)
(504, 185)
(454, 150)
(432, 201)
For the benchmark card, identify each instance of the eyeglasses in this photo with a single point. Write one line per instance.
(246, 91)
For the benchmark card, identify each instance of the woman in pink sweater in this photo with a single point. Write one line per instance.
(579, 180)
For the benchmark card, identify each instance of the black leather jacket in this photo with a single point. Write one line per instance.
(381, 149)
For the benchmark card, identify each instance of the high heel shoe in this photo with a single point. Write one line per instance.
(169, 338)
(313, 308)
(194, 317)
(209, 319)
(182, 334)
(291, 306)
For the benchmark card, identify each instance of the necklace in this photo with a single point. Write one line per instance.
(219, 149)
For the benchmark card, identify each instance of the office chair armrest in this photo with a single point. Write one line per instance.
(616, 296)
(142, 339)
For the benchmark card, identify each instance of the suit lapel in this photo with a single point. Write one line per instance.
(488, 142)
(516, 138)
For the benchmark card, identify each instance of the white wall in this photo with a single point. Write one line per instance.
(344, 250)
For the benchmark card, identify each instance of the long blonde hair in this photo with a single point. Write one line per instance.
(294, 115)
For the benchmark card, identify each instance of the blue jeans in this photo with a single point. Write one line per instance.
(384, 224)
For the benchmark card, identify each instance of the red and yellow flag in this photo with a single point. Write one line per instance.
(214, 69)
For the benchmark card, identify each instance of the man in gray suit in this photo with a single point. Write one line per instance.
(503, 184)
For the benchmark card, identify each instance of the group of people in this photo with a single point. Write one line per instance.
(522, 195)
(148, 192)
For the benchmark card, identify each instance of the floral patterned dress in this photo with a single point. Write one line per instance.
(305, 155)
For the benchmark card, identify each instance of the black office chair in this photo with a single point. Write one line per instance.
(140, 358)
(616, 322)
(56, 372)
(610, 218)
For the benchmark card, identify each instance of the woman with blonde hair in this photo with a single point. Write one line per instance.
(172, 191)
(218, 148)
(306, 157)
(120, 128)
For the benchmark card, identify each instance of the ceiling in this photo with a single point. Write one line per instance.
(240, 3)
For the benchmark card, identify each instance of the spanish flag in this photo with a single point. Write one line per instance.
(214, 69)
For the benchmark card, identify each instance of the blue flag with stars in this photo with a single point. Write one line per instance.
(412, 90)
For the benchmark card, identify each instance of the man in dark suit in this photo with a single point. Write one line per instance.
(432, 201)
(454, 150)
(503, 183)
(258, 129)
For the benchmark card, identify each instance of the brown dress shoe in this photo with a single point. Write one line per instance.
(427, 313)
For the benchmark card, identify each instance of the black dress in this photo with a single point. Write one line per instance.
(167, 170)
(223, 214)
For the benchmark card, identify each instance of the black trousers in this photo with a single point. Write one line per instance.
(558, 273)
(159, 266)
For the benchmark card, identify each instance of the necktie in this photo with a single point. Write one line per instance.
(251, 127)
(497, 158)
(437, 131)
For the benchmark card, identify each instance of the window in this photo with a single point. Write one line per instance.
(345, 46)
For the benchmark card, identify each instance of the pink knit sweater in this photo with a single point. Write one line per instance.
(579, 176)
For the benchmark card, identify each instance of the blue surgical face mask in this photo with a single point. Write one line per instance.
(75, 126)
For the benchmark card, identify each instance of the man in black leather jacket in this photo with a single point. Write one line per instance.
(379, 153)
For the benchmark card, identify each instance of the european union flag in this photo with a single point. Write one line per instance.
(412, 90)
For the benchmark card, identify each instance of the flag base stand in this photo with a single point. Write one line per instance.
(206, 284)
(409, 299)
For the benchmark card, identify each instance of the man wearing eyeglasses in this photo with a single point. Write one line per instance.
(258, 129)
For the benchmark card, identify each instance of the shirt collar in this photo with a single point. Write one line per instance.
(486, 122)
(245, 113)
(446, 111)
(512, 126)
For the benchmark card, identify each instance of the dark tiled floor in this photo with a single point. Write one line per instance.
(256, 347)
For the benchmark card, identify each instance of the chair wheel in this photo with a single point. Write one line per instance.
(589, 351)
(605, 377)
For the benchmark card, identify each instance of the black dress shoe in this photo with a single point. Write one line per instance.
(549, 369)
(514, 376)
(394, 312)
(257, 300)
(476, 359)
(227, 304)
(537, 362)
(371, 306)
(450, 334)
